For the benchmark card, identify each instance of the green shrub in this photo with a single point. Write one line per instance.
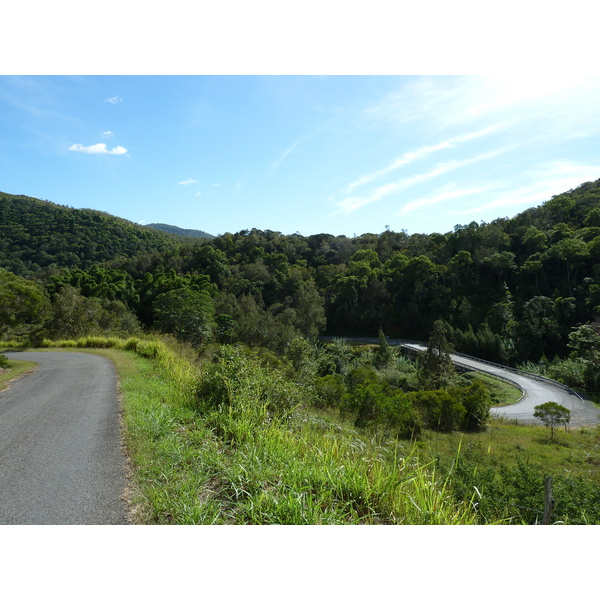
(475, 399)
(242, 386)
(149, 349)
(329, 391)
(131, 344)
(438, 409)
(571, 371)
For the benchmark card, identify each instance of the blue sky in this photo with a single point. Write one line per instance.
(336, 154)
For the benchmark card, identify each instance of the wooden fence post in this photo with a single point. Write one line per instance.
(548, 501)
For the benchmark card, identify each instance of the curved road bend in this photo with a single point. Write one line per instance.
(536, 392)
(60, 444)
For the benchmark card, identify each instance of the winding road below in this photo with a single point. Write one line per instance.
(535, 391)
(60, 444)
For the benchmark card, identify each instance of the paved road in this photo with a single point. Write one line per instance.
(535, 392)
(60, 445)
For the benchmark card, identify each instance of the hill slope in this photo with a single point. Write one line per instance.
(194, 233)
(38, 237)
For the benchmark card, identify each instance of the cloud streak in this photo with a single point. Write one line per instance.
(286, 153)
(448, 194)
(554, 178)
(98, 149)
(413, 155)
(351, 203)
(188, 181)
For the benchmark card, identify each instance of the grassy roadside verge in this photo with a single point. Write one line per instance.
(239, 463)
(15, 370)
(236, 467)
(501, 393)
(235, 464)
(221, 443)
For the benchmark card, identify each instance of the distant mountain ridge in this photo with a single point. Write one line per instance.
(195, 233)
(38, 237)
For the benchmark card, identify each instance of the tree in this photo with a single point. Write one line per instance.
(24, 307)
(384, 353)
(476, 400)
(187, 313)
(74, 315)
(553, 415)
(435, 368)
(584, 343)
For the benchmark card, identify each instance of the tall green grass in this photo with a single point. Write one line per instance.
(233, 442)
(242, 450)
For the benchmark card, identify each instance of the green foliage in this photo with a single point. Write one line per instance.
(193, 233)
(582, 368)
(553, 415)
(435, 369)
(476, 401)
(440, 411)
(74, 315)
(187, 313)
(385, 354)
(509, 291)
(24, 308)
(301, 354)
(39, 236)
(329, 391)
(240, 385)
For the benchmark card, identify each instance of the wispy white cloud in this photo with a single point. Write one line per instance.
(548, 100)
(188, 181)
(550, 179)
(98, 149)
(351, 203)
(448, 194)
(413, 155)
(285, 154)
(107, 134)
(114, 100)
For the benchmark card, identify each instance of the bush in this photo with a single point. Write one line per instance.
(476, 401)
(329, 391)
(438, 409)
(377, 404)
(571, 371)
(241, 386)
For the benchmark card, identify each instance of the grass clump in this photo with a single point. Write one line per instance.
(235, 444)
(11, 369)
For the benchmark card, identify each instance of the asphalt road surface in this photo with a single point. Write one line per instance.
(583, 413)
(536, 392)
(60, 446)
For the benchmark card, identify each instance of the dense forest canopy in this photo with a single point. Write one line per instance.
(511, 290)
(38, 237)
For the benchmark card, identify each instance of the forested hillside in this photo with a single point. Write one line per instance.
(193, 233)
(38, 237)
(511, 290)
(249, 306)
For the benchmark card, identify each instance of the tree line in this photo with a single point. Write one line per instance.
(511, 291)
